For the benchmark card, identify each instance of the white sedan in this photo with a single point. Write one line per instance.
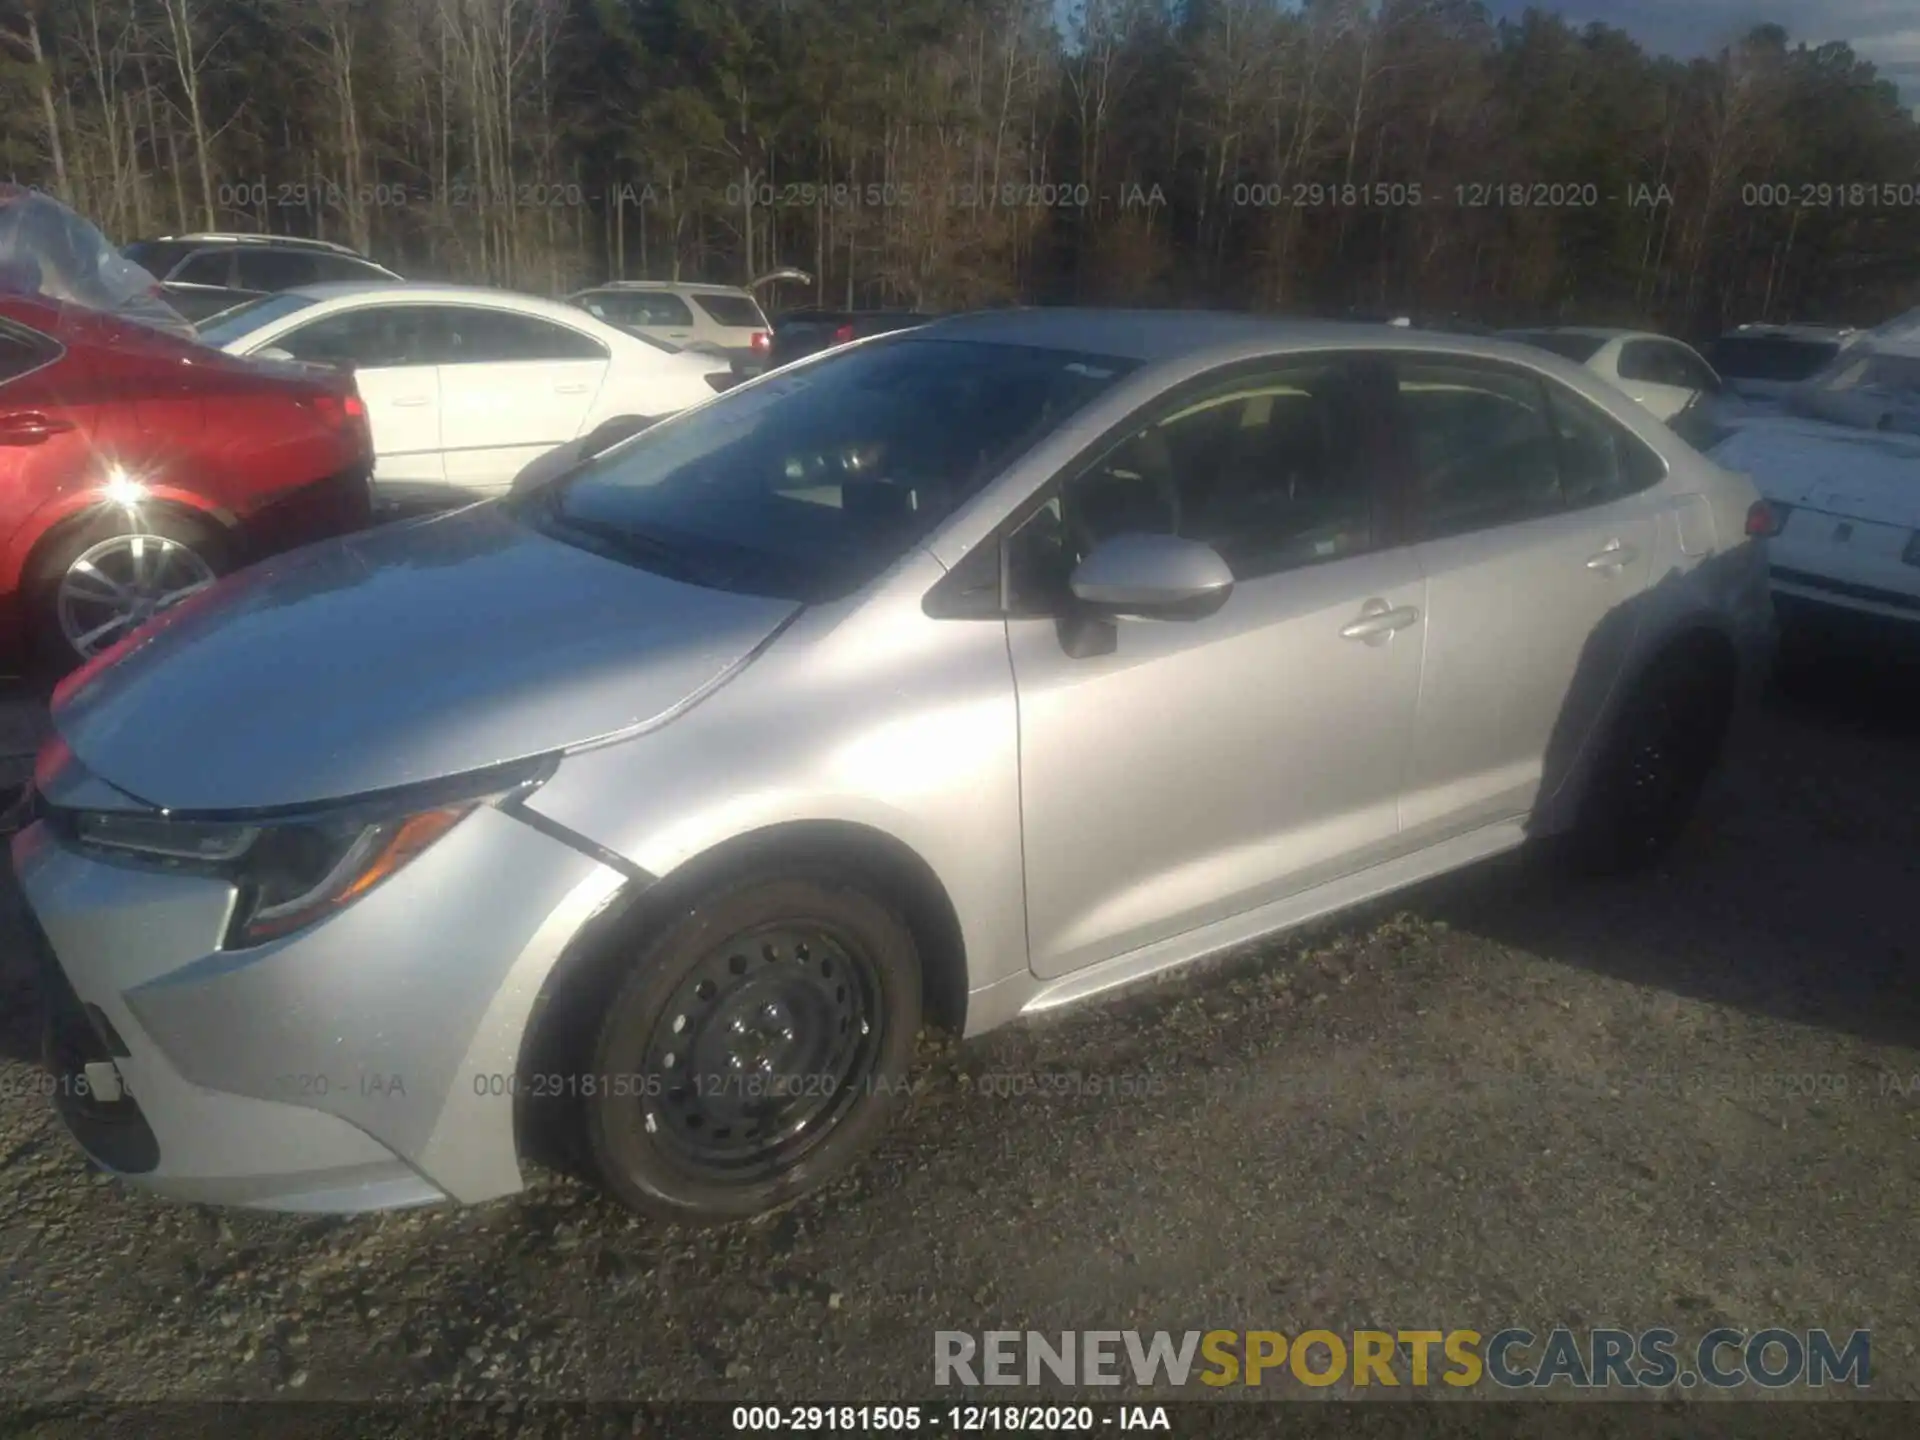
(464, 386)
(1840, 469)
(1658, 371)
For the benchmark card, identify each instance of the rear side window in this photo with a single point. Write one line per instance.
(637, 307)
(1600, 460)
(1483, 446)
(276, 269)
(23, 351)
(1654, 363)
(736, 311)
(500, 336)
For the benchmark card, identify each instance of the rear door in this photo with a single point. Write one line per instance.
(46, 424)
(394, 352)
(1536, 530)
(512, 387)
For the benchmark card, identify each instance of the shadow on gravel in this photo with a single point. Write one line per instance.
(1793, 896)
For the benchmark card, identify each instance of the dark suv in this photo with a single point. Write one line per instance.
(204, 274)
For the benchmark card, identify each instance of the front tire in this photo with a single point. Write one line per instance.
(1648, 777)
(758, 1046)
(100, 579)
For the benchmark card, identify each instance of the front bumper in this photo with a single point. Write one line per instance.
(366, 1063)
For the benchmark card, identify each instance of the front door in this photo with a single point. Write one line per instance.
(513, 387)
(393, 352)
(1206, 767)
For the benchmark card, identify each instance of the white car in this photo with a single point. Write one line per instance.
(1658, 371)
(1840, 470)
(719, 319)
(1761, 363)
(465, 386)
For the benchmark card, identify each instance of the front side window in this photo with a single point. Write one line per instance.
(808, 485)
(1264, 467)
(1483, 445)
(374, 337)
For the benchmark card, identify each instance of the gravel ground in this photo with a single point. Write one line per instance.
(1508, 1098)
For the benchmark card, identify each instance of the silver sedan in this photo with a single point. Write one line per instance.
(641, 821)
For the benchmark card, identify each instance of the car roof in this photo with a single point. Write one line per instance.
(1154, 335)
(1791, 331)
(400, 292)
(1592, 332)
(677, 287)
(285, 242)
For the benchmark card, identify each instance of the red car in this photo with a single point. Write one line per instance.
(136, 466)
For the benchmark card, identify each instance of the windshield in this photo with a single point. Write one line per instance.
(48, 250)
(1749, 357)
(1577, 348)
(808, 484)
(243, 319)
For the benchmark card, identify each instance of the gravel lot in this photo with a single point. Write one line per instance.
(1509, 1098)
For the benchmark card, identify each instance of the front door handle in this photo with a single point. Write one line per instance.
(410, 402)
(1378, 621)
(31, 427)
(1613, 558)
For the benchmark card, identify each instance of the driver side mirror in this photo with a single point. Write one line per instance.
(1152, 577)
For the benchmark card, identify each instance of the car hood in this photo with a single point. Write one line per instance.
(407, 653)
(1863, 474)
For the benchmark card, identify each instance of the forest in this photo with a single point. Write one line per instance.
(1328, 157)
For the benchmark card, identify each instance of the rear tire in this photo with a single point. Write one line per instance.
(153, 560)
(1656, 760)
(756, 1048)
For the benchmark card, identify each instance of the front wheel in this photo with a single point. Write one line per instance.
(755, 1050)
(108, 575)
(1655, 763)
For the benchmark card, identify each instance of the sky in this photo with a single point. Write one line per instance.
(1887, 32)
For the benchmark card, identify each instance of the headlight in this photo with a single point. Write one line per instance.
(292, 870)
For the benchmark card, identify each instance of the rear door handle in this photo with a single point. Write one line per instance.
(1613, 558)
(410, 402)
(1378, 621)
(569, 389)
(31, 427)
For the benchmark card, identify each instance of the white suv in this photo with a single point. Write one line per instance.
(719, 319)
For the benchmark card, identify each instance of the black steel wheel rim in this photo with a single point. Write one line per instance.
(768, 1041)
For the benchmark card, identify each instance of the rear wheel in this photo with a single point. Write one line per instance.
(755, 1049)
(103, 578)
(1655, 763)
